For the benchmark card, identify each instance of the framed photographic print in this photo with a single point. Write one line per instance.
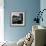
(17, 18)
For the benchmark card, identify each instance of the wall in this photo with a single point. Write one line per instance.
(43, 6)
(30, 7)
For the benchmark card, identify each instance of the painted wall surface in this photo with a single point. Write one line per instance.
(30, 7)
(43, 6)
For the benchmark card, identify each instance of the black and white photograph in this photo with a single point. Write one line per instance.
(17, 18)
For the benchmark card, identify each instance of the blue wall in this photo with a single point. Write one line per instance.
(43, 6)
(30, 7)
